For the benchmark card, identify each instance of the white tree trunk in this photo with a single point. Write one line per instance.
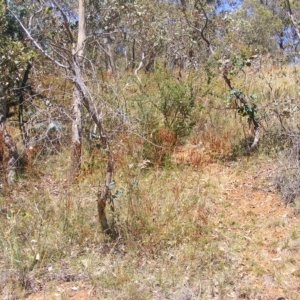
(81, 98)
(76, 134)
(77, 93)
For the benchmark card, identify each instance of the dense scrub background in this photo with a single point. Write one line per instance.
(178, 89)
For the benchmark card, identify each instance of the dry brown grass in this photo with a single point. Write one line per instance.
(204, 232)
(194, 155)
(199, 228)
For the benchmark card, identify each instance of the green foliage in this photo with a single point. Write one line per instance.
(14, 55)
(176, 102)
(240, 61)
(243, 108)
(256, 25)
(247, 110)
(234, 92)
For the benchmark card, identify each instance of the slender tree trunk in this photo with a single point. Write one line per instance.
(256, 135)
(109, 60)
(295, 22)
(2, 169)
(80, 98)
(133, 55)
(24, 134)
(104, 192)
(77, 94)
(7, 140)
(11, 168)
(103, 196)
(76, 134)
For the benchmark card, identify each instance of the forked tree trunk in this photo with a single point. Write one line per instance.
(80, 98)
(104, 193)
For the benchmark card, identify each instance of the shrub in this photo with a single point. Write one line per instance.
(176, 102)
(288, 176)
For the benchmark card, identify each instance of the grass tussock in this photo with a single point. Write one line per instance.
(46, 233)
(177, 235)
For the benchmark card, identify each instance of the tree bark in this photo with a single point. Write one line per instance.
(109, 60)
(7, 140)
(76, 134)
(256, 135)
(251, 117)
(77, 95)
(133, 64)
(295, 23)
(11, 168)
(2, 169)
(24, 134)
(80, 98)
(103, 196)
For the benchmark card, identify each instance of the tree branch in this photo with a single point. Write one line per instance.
(204, 27)
(292, 18)
(251, 117)
(66, 22)
(201, 31)
(36, 44)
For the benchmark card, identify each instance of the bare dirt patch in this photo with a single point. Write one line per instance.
(263, 228)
